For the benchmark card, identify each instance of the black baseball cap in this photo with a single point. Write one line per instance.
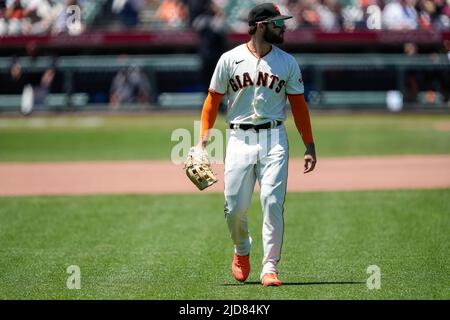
(265, 12)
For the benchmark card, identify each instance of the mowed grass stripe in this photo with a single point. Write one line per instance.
(148, 137)
(178, 247)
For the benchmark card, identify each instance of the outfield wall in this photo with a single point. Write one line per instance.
(332, 81)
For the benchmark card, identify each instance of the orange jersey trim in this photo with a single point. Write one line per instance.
(209, 112)
(301, 116)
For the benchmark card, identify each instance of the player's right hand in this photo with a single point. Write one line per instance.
(310, 158)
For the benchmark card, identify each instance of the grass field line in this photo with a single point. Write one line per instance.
(149, 177)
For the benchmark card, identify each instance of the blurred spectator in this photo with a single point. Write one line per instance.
(446, 75)
(211, 29)
(128, 11)
(195, 8)
(329, 12)
(130, 85)
(307, 15)
(15, 13)
(3, 23)
(43, 89)
(30, 16)
(173, 13)
(17, 79)
(353, 16)
(45, 16)
(40, 15)
(426, 14)
(434, 14)
(40, 89)
(412, 76)
(400, 15)
(410, 49)
(447, 49)
(318, 14)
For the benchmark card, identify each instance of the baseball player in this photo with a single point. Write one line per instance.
(255, 78)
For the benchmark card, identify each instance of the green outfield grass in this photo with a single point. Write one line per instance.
(149, 136)
(178, 247)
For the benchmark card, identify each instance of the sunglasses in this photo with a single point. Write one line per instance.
(276, 23)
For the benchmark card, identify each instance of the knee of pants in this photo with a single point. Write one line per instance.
(235, 210)
(270, 200)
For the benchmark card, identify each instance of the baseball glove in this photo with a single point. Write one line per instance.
(198, 168)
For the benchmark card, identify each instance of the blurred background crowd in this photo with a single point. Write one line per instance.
(154, 54)
(31, 17)
(35, 17)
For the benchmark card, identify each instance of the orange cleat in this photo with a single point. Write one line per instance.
(241, 267)
(270, 279)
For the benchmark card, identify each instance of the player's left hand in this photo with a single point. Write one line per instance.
(310, 158)
(198, 168)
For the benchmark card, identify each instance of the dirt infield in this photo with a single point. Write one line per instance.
(144, 177)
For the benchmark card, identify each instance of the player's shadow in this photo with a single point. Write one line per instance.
(314, 283)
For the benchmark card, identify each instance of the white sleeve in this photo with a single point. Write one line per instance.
(294, 84)
(219, 80)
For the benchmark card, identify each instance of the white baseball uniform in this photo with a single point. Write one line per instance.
(256, 90)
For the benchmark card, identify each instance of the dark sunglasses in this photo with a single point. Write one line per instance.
(276, 23)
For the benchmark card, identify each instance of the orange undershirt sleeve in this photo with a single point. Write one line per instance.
(209, 112)
(301, 116)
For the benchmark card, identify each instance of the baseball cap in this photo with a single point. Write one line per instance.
(265, 12)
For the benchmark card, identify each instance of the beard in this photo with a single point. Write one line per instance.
(272, 38)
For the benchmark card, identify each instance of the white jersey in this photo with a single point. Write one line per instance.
(256, 88)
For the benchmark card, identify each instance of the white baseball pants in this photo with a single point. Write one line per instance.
(261, 156)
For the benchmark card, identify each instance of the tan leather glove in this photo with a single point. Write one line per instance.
(198, 168)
